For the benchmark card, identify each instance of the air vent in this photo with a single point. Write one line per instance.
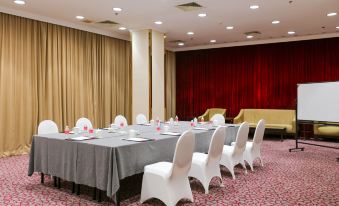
(108, 22)
(252, 33)
(87, 21)
(189, 6)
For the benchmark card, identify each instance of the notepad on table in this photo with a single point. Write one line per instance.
(171, 133)
(137, 139)
(80, 138)
(201, 128)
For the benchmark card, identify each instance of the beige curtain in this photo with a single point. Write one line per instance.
(170, 95)
(53, 72)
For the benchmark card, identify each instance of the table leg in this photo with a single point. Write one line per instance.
(78, 189)
(55, 181)
(73, 187)
(59, 183)
(282, 136)
(94, 197)
(42, 178)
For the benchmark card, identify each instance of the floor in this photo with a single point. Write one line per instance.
(307, 178)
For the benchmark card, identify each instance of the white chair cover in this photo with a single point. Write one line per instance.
(141, 119)
(82, 122)
(252, 150)
(169, 181)
(233, 155)
(48, 127)
(219, 118)
(206, 166)
(120, 120)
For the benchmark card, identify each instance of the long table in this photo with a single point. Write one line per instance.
(101, 163)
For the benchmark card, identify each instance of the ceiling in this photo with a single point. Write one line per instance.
(305, 17)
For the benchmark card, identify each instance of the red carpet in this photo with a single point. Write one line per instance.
(298, 178)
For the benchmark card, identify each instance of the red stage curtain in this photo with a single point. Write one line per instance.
(258, 76)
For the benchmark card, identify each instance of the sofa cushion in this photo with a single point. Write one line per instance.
(328, 130)
(274, 126)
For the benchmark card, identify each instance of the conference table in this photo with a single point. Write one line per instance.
(104, 161)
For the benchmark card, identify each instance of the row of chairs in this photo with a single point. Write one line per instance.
(49, 126)
(169, 182)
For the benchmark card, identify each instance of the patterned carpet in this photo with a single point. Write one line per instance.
(298, 178)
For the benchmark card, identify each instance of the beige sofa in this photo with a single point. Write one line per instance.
(331, 131)
(211, 112)
(275, 118)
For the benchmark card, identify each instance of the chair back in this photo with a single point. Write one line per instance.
(120, 121)
(216, 145)
(182, 159)
(82, 122)
(141, 119)
(241, 139)
(219, 118)
(48, 127)
(259, 133)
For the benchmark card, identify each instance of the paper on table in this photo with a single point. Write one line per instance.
(147, 124)
(171, 133)
(203, 123)
(79, 138)
(136, 139)
(201, 128)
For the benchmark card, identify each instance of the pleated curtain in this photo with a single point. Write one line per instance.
(54, 72)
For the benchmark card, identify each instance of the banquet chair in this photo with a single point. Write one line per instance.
(120, 121)
(220, 119)
(169, 181)
(47, 127)
(233, 155)
(82, 122)
(206, 166)
(252, 150)
(141, 119)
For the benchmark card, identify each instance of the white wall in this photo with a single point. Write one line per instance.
(140, 73)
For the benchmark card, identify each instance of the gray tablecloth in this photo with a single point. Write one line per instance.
(103, 162)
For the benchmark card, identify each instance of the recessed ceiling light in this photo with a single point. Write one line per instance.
(291, 32)
(181, 44)
(122, 28)
(190, 33)
(229, 27)
(275, 22)
(117, 9)
(249, 36)
(20, 2)
(80, 17)
(254, 7)
(213, 41)
(158, 22)
(202, 15)
(337, 27)
(332, 14)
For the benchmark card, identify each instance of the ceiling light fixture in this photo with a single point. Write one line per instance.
(332, 14)
(80, 17)
(213, 41)
(181, 44)
(291, 32)
(249, 36)
(337, 27)
(275, 22)
(190, 33)
(229, 27)
(20, 2)
(158, 22)
(117, 9)
(122, 28)
(254, 7)
(202, 15)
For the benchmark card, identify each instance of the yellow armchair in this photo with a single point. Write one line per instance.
(326, 130)
(212, 111)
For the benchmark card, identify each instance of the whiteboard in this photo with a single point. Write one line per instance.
(318, 102)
